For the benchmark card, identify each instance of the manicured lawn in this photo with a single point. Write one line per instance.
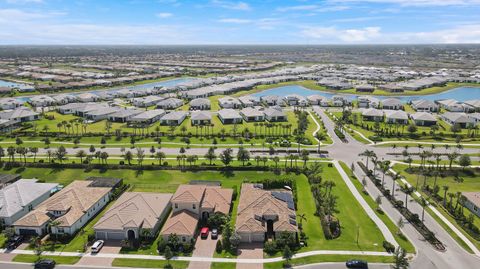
(28, 258)
(401, 240)
(329, 258)
(351, 216)
(3, 240)
(122, 262)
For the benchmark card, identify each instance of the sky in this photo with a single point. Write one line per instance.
(171, 22)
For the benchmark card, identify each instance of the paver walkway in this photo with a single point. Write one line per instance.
(250, 251)
(203, 248)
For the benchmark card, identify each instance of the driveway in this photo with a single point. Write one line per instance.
(203, 248)
(250, 251)
(110, 247)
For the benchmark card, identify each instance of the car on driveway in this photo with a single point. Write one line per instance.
(14, 242)
(97, 246)
(357, 264)
(45, 264)
(204, 233)
(214, 233)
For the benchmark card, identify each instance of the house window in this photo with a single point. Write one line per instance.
(60, 230)
(193, 206)
(184, 239)
(30, 207)
(176, 205)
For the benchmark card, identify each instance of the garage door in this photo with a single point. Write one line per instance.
(116, 236)
(27, 232)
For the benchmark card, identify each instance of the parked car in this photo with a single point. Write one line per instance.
(97, 246)
(14, 242)
(214, 233)
(45, 264)
(356, 264)
(204, 233)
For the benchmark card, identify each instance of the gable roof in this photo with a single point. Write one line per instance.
(180, 223)
(135, 209)
(188, 194)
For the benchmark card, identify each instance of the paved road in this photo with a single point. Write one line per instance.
(427, 257)
(338, 265)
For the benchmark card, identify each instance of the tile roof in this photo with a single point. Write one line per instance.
(135, 209)
(77, 198)
(182, 222)
(473, 197)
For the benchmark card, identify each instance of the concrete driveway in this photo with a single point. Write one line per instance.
(250, 251)
(110, 247)
(203, 248)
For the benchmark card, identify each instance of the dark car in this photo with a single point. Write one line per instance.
(14, 242)
(214, 233)
(45, 264)
(356, 264)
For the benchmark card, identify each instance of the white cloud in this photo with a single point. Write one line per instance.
(164, 15)
(235, 21)
(231, 5)
(415, 2)
(328, 34)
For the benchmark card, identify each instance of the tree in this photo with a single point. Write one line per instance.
(34, 150)
(395, 177)
(226, 156)
(160, 156)
(235, 240)
(464, 161)
(243, 155)
(423, 203)
(287, 255)
(60, 154)
(400, 260)
(412, 128)
(210, 155)
(400, 225)
(304, 155)
(276, 159)
(168, 255)
(378, 201)
(81, 154)
(104, 156)
(128, 157)
(407, 191)
(451, 158)
(445, 190)
(140, 156)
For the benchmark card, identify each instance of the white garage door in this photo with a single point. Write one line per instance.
(116, 236)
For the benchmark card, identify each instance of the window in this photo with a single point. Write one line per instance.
(30, 207)
(193, 206)
(60, 230)
(176, 205)
(184, 239)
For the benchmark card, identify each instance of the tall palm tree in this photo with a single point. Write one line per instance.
(423, 203)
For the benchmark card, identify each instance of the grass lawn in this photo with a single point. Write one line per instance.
(329, 258)
(223, 265)
(470, 183)
(351, 216)
(3, 240)
(30, 258)
(401, 240)
(141, 263)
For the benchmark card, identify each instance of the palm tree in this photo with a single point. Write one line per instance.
(159, 156)
(301, 218)
(34, 150)
(423, 203)
(407, 190)
(445, 190)
(395, 177)
(81, 154)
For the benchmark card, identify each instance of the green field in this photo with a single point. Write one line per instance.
(28, 258)
(142, 263)
(328, 258)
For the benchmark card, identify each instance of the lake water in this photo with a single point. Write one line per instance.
(4, 83)
(460, 94)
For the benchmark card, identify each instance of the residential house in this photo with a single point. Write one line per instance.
(174, 118)
(19, 115)
(252, 114)
(367, 101)
(339, 101)
(458, 118)
(317, 100)
(10, 103)
(123, 115)
(474, 104)
(148, 117)
(229, 116)
(424, 105)
(71, 208)
(146, 101)
(192, 203)
(229, 102)
(170, 103)
(264, 214)
(87, 97)
(392, 104)
(200, 104)
(201, 117)
(41, 101)
(132, 214)
(295, 100)
(365, 88)
(423, 118)
(101, 114)
(396, 116)
(372, 114)
(272, 100)
(249, 100)
(472, 202)
(62, 99)
(274, 114)
(21, 197)
(453, 105)
(6, 179)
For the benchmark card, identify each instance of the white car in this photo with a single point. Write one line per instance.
(97, 246)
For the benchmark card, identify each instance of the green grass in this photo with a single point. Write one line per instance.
(470, 184)
(29, 258)
(3, 240)
(329, 258)
(401, 240)
(141, 263)
(223, 265)
(351, 216)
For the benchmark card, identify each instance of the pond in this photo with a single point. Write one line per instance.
(460, 94)
(4, 83)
